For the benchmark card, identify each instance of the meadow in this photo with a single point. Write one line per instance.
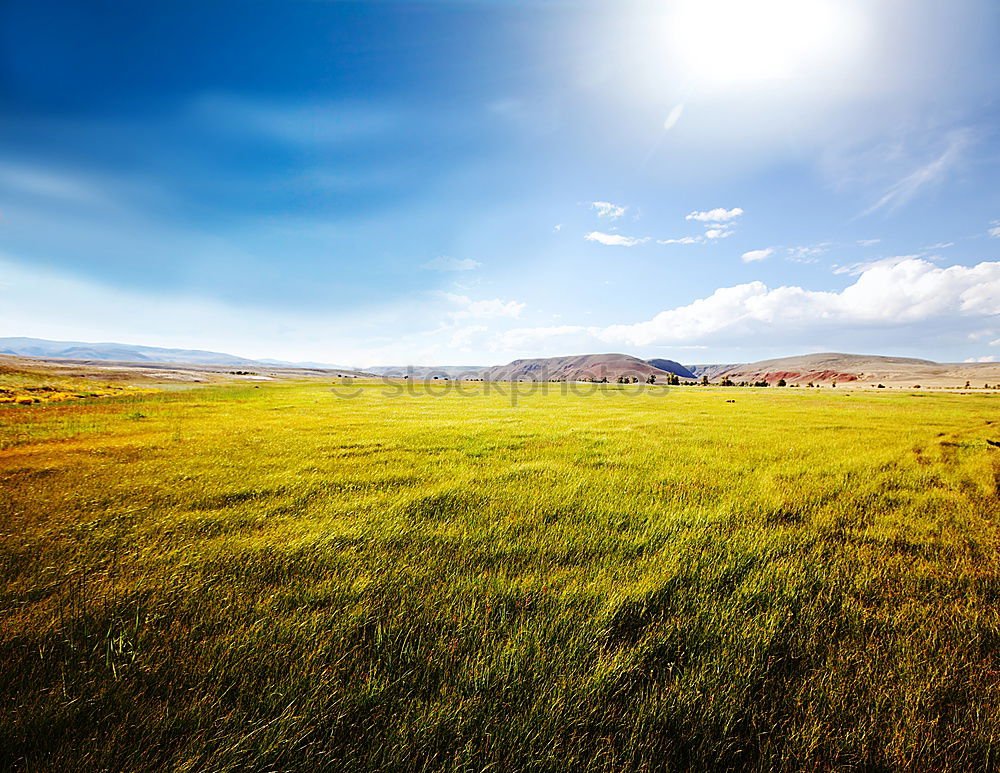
(302, 576)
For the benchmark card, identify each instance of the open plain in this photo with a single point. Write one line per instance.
(469, 576)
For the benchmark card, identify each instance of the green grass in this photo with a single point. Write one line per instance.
(276, 578)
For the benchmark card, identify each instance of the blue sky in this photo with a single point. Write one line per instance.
(471, 182)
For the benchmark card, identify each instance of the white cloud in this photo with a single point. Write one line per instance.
(613, 240)
(868, 242)
(470, 309)
(995, 343)
(752, 255)
(987, 358)
(717, 222)
(464, 337)
(717, 215)
(444, 263)
(886, 296)
(940, 246)
(855, 269)
(682, 240)
(995, 230)
(608, 210)
(557, 227)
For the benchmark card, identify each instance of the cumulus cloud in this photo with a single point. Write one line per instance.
(718, 233)
(444, 263)
(885, 296)
(717, 215)
(467, 308)
(987, 358)
(608, 210)
(613, 240)
(753, 255)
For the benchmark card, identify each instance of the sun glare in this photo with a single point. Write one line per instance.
(732, 44)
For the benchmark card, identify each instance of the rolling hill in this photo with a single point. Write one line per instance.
(574, 368)
(825, 368)
(670, 366)
(856, 368)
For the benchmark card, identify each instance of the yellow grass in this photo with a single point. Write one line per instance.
(303, 576)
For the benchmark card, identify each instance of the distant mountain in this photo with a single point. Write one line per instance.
(429, 371)
(863, 368)
(305, 364)
(575, 368)
(823, 368)
(78, 350)
(713, 371)
(672, 367)
(816, 368)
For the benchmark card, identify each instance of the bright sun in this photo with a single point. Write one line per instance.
(733, 44)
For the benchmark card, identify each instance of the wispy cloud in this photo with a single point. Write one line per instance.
(608, 210)
(806, 253)
(717, 215)
(995, 230)
(49, 184)
(856, 269)
(927, 174)
(324, 122)
(445, 263)
(614, 240)
(868, 242)
(754, 255)
(79, 189)
(682, 240)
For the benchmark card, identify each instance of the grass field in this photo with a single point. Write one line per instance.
(27, 387)
(281, 578)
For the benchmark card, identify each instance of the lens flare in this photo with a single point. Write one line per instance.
(734, 44)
